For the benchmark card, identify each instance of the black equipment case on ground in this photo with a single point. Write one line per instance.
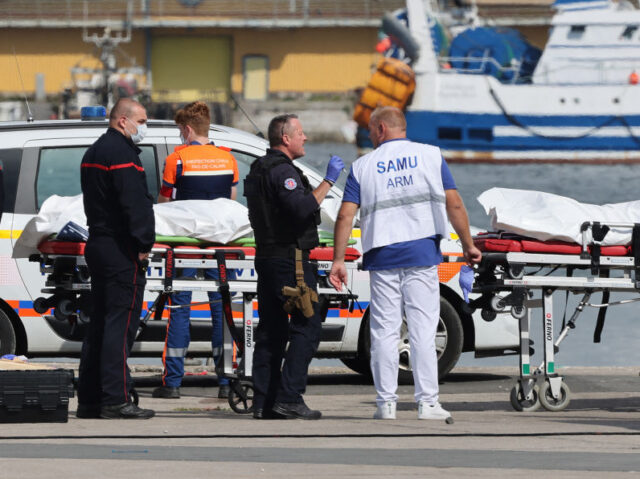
(35, 395)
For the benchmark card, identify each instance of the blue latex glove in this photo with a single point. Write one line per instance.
(466, 281)
(334, 168)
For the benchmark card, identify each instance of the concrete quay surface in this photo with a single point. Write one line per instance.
(198, 435)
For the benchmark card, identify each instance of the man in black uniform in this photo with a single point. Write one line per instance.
(284, 213)
(121, 224)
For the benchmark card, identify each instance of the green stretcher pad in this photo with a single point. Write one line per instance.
(326, 239)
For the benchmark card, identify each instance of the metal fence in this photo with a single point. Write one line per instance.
(148, 12)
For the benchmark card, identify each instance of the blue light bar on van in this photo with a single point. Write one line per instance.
(93, 113)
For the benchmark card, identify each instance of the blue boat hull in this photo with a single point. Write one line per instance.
(543, 136)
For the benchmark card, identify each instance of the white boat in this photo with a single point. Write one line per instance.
(581, 104)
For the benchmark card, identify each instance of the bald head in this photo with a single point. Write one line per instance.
(387, 123)
(123, 107)
(389, 115)
(126, 114)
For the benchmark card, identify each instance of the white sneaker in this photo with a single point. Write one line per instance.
(432, 411)
(386, 410)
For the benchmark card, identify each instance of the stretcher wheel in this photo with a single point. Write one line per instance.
(520, 403)
(515, 271)
(84, 317)
(63, 309)
(241, 397)
(82, 274)
(518, 312)
(497, 303)
(552, 404)
(40, 305)
(488, 315)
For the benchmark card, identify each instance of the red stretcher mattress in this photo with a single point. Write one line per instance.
(231, 252)
(511, 243)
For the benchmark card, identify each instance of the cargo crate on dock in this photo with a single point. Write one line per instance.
(35, 395)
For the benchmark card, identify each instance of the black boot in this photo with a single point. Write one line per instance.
(166, 392)
(223, 391)
(296, 411)
(126, 410)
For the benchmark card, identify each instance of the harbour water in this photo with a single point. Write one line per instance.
(594, 184)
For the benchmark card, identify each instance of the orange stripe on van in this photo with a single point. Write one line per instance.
(446, 271)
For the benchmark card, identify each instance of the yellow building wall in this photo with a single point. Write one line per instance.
(309, 59)
(52, 52)
(300, 60)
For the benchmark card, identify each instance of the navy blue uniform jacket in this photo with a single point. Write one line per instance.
(116, 199)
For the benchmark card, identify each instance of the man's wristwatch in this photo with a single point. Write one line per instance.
(329, 181)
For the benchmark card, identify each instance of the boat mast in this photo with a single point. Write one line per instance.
(426, 66)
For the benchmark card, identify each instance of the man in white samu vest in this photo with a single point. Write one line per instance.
(405, 193)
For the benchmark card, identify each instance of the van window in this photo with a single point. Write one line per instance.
(244, 161)
(10, 159)
(59, 171)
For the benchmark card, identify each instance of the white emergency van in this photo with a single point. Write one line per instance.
(42, 158)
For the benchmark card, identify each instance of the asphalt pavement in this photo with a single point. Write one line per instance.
(199, 435)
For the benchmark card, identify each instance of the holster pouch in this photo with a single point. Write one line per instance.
(301, 296)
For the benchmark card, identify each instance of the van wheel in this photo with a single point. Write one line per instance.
(449, 341)
(7, 335)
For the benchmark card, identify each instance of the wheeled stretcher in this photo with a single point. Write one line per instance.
(68, 286)
(514, 267)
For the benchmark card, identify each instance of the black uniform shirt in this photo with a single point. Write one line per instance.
(288, 191)
(116, 199)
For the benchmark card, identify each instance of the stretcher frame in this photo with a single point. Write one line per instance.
(508, 272)
(238, 343)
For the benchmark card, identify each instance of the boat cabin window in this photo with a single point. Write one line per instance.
(482, 134)
(629, 32)
(449, 133)
(576, 32)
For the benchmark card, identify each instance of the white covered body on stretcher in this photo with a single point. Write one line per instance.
(68, 287)
(544, 243)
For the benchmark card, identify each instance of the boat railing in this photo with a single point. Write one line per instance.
(589, 71)
(576, 71)
(479, 65)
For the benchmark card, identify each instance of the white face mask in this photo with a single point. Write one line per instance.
(141, 132)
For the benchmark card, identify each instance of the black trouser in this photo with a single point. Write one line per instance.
(274, 381)
(117, 289)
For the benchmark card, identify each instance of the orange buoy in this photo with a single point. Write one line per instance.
(391, 85)
(383, 45)
(634, 78)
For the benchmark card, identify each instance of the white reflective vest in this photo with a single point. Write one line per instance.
(401, 194)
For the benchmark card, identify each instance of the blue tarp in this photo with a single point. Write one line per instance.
(501, 44)
(568, 2)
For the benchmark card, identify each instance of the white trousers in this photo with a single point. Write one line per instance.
(416, 293)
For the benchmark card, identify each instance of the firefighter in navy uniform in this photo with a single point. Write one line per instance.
(284, 213)
(121, 224)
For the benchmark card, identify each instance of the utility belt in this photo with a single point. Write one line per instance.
(279, 250)
(301, 296)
